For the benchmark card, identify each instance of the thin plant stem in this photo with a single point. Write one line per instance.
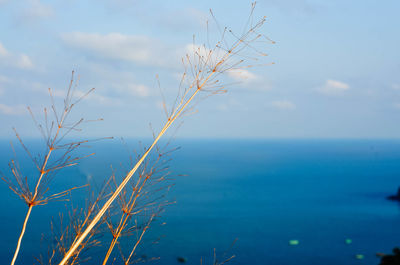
(31, 204)
(22, 234)
(46, 168)
(200, 83)
(99, 215)
(139, 240)
(32, 201)
(124, 219)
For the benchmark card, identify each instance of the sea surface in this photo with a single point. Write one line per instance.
(260, 194)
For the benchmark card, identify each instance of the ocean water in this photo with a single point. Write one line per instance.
(263, 193)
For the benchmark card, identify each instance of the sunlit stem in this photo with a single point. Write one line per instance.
(22, 234)
(122, 224)
(138, 241)
(35, 194)
(102, 211)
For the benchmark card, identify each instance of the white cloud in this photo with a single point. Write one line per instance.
(249, 80)
(194, 51)
(120, 84)
(396, 86)
(23, 61)
(117, 46)
(36, 10)
(5, 79)
(12, 110)
(333, 88)
(283, 105)
(128, 88)
(3, 51)
(242, 75)
(138, 90)
(8, 58)
(200, 50)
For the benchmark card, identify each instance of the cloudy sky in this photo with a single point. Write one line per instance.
(336, 71)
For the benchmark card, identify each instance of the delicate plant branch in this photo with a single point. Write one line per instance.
(28, 214)
(206, 65)
(130, 206)
(139, 240)
(203, 66)
(48, 166)
(65, 233)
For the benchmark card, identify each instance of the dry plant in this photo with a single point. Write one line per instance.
(67, 228)
(137, 206)
(224, 258)
(137, 203)
(59, 154)
(203, 66)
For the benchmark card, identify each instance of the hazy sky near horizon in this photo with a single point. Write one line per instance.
(336, 71)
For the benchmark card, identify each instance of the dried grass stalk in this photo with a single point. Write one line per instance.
(203, 67)
(58, 155)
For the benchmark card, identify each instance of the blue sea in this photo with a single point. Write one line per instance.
(260, 194)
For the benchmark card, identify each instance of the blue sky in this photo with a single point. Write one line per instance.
(336, 71)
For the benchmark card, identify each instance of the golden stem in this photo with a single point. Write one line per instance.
(138, 241)
(110, 249)
(176, 113)
(102, 211)
(121, 226)
(31, 206)
(22, 234)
